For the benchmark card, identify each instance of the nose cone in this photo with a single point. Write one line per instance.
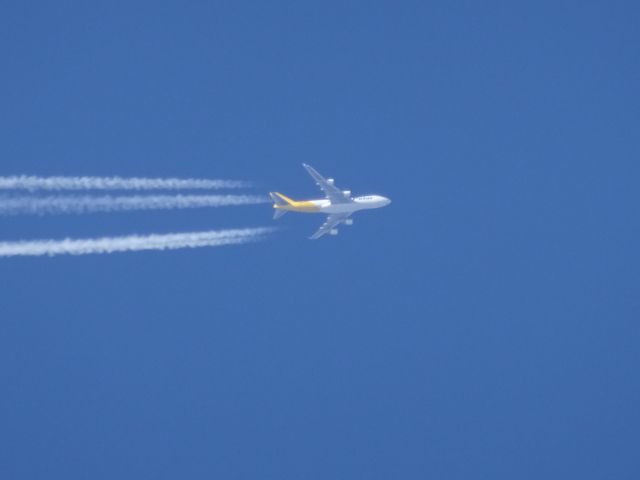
(386, 201)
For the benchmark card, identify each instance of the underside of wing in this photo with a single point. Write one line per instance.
(329, 225)
(332, 192)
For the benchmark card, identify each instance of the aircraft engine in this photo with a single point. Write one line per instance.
(346, 193)
(348, 221)
(333, 231)
(330, 181)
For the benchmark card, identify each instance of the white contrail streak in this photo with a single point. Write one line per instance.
(25, 182)
(132, 243)
(108, 203)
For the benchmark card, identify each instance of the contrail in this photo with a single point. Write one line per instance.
(25, 182)
(88, 204)
(133, 243)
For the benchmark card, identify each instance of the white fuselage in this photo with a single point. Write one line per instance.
(359, 203)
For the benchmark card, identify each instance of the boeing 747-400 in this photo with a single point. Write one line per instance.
(338, 204)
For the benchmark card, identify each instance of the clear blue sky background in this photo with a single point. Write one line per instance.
(484, 325)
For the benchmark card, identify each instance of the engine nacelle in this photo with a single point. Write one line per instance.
(333, 231)
(330, 181)
(347, 193)
(348, 221)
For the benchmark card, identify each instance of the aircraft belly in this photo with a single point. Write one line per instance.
(306, 206)
(340, 208)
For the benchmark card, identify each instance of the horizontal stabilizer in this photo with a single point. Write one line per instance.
(278, 213)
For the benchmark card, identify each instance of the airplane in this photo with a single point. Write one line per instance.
(339, 205)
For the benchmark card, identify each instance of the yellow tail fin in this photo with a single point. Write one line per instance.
(280, 200)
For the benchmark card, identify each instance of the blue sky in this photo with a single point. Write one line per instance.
(484, 325)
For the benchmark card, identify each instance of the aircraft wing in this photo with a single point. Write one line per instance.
(332, 221)
(332, 192)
